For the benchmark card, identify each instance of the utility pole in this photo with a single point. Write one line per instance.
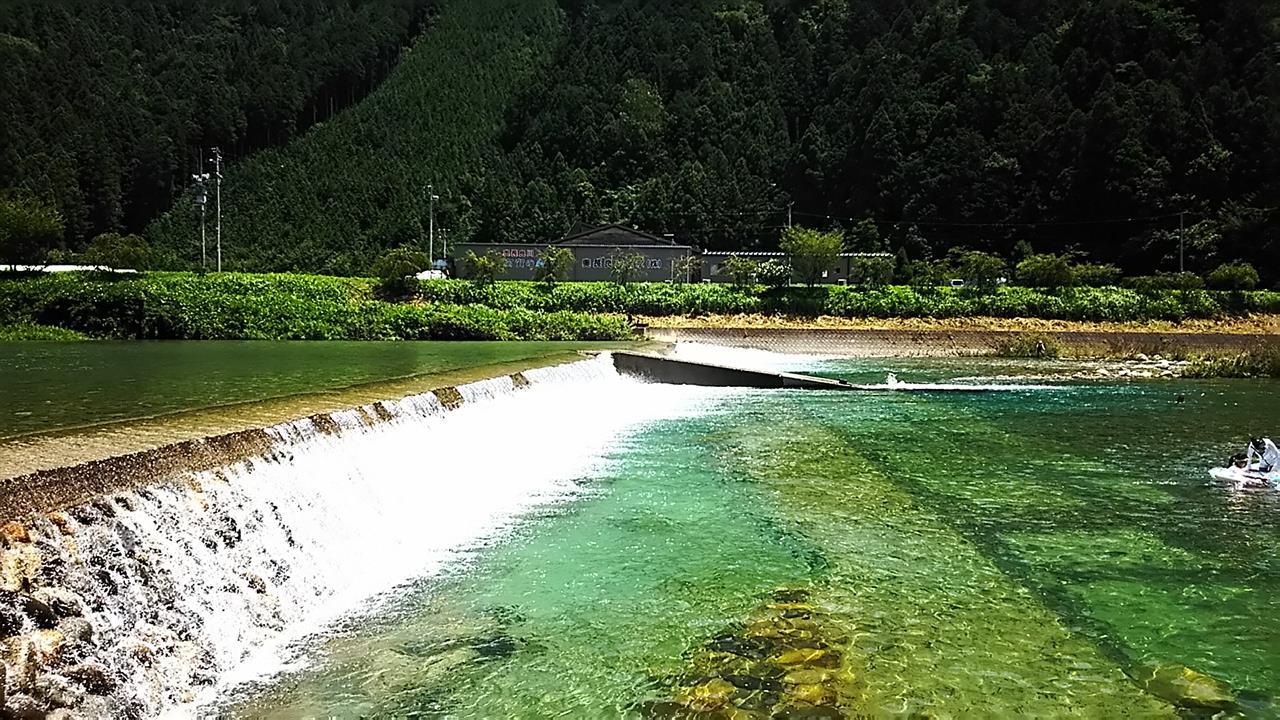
(431, 220)
(202, 199)
(1182, 232)
(789, 206)
(217, 198)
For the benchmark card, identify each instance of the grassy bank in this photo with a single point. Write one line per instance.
(1242, 325)
(184, 306)
(39, 333)
(664, 300)
(1260, 363)
(306, 307)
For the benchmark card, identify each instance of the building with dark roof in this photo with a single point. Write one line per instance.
(594, 250)
(837, 274)
(662, 259)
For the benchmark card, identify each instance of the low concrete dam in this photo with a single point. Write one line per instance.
(655, 368)
(157, 582)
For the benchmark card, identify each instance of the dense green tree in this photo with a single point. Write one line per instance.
(742, 272)
(871, 272)
(554, 265)
(118, 252)
(397, 270)
(625, 267)
(28, 227)
(1233, 276)
(1044, 271)
(485, 269)
(811, 252)
(980, 270)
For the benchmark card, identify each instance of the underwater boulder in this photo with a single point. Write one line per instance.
(807, 657)
(1185, 687)
(711, 695)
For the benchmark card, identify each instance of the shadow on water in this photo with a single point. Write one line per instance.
(1174, 538)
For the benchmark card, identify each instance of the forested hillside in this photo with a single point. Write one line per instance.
(1097, 126)
(104, 105)
(335, 198)
(935, 124)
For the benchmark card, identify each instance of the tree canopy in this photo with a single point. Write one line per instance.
(1114, 130)
(105, 106)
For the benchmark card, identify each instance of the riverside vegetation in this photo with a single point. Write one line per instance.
(270, 307)
(188, 305)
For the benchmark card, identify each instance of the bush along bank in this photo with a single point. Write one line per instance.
(1259, 363)
(181, 306)
(662, 299)
(39, 333)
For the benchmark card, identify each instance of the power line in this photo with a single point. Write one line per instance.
(1041, 223)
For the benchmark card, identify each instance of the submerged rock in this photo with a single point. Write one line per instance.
(1185, 687)
(94, 677)
(710, 695)
(76, 629)
(20, 656)
(24, 707)
(63, 522)
(57, 692)
(14, 532)
(61, 603)
(785, 662)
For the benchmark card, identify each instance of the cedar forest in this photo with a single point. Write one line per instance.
(1104, 128)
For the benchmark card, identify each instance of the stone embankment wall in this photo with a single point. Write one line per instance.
(954, 343)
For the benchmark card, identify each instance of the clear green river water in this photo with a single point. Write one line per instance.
(1009, 554)
(51, 386)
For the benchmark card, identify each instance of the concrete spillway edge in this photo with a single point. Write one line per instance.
(655, 368)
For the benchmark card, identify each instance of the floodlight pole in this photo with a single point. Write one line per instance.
(202, 199)
(217, 174)
(432, 197)
(204, 244)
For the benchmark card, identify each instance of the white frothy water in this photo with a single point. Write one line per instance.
(746, 358)
(893, 383)
(769, 361)
(199, 585)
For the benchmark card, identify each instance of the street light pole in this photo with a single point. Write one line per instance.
(431, 219)
(217, 199)
(202, 199)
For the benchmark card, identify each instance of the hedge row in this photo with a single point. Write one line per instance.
(302, 307)
(658, 299)
(273, 307)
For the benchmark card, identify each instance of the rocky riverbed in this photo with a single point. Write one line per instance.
(786, 661)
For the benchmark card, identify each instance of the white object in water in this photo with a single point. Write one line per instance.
(1242, 479)
(892, 380)
(1261, 470)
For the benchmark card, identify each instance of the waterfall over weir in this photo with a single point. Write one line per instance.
(159, 600)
